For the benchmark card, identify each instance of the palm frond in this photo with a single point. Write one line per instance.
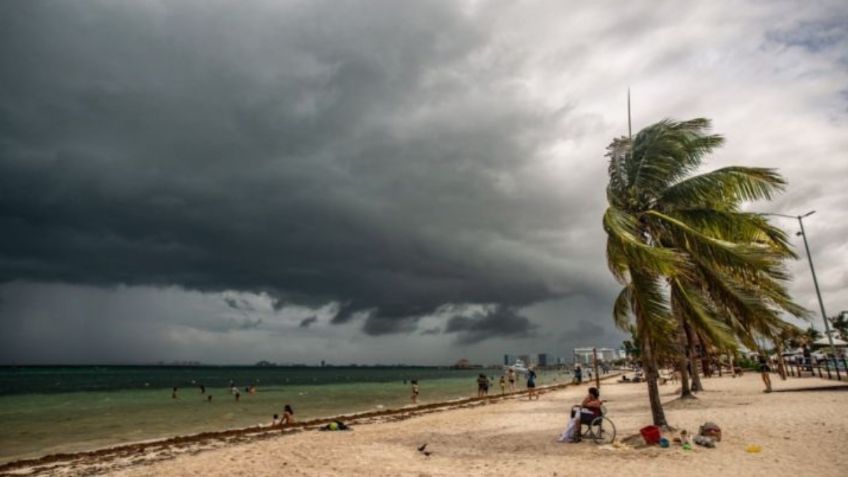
(625, 245)
(668, 150)
(723, 188)
(621, 309)
(695, 309)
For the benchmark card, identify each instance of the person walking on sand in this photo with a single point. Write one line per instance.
(765, 369)
(414, 383)
(510, 373)
(503, 385)
(531, 385)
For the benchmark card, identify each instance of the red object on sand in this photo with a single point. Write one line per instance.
(651, 434)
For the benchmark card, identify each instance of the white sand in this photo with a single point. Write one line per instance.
(801, 433)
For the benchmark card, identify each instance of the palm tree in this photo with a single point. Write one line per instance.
(811, 335)
(692, 264)
(840, 324)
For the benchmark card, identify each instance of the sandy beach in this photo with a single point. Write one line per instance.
(801, 429)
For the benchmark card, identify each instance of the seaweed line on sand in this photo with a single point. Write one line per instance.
(170, 447)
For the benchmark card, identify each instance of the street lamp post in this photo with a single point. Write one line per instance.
(803, 234)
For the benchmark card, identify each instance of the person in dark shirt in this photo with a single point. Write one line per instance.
(482, 385)
(765, 369)
(531, 384)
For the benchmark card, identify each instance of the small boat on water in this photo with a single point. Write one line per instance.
(518, 367)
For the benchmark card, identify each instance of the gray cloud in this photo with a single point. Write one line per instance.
(375, 160)
(500, 321)
(344, 163)
(308, 321)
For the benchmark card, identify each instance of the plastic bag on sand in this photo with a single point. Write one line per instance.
(704, 441)
(573, 426)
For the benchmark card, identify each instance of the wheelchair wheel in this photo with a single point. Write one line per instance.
(602, 430)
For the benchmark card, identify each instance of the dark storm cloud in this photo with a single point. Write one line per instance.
(308, 321)
(378, 164)
(498, 322)
(312, 151)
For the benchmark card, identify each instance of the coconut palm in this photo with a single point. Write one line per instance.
(691, 262)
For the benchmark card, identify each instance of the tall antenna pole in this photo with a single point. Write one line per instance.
(629, 130)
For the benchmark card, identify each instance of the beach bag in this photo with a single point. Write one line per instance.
(710, 429)
(570, 431)
(336, 426)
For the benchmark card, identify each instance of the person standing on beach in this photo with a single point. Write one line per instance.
(578, 374)
(510, 373)
(531, 384)
(765, 369)
(414, 391)
(482, 385)
(503, 385)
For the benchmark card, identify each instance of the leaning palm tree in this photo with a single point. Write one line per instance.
(690, 261)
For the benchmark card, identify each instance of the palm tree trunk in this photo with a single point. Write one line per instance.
(683, 362)
(705, 359)
(690, 339)
(781, 366)
(651, 375)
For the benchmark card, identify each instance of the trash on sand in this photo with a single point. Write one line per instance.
(664, 442)
(704, 441)
(753, 449)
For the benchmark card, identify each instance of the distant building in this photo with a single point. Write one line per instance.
(525, 358)
(543, 359)
(462, 364)
(584, 356)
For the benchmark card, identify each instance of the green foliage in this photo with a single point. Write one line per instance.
(746, 363)
(840, 324)
(684, 251)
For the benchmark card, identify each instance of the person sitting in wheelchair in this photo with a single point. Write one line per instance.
(590, 408)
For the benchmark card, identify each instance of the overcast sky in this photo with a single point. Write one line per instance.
(374, 181)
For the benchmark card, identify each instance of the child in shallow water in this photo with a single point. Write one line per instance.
(414, 391)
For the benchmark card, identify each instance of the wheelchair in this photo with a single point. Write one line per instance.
(600, 429)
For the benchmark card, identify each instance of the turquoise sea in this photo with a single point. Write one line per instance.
(45, 410)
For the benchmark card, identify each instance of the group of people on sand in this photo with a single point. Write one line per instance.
(484, 383)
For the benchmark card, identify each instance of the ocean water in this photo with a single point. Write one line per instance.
(45, 410)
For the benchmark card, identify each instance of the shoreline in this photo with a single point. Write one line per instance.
(214, 439)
